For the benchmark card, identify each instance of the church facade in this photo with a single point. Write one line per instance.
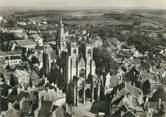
(76, 62)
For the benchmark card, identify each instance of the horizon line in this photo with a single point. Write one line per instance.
(81, 8)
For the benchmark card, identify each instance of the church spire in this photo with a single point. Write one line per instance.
(61, 37)
(61, 22)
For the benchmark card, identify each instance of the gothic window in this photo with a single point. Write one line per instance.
(82, 73)
(74, 51)
(89, 52)
(63, 44)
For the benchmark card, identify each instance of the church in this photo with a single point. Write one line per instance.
(76, 61)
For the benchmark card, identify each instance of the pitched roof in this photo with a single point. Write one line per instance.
(125, 88)
(124, 107)
(41, 83)
(22, 76)
(53, 55)
(10, 53)
(25, 43)
(154, 105)
(23, 94)
(54, 107)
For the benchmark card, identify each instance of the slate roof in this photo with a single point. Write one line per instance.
(117, 112)
(124, 89)
(128, 87)
(25, 110)
(45, 110)
(4, 89)
(128, 112)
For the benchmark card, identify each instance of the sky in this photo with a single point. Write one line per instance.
(155, 4)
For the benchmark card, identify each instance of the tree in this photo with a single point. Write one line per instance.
(11, 23)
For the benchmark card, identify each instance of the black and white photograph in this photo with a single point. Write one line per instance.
(82, 58)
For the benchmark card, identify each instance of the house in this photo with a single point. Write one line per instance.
(48, 109)
(126, 100)
(20, 76)
(10, 58)
(127, 106)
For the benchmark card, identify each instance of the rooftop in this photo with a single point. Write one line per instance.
(26, 43)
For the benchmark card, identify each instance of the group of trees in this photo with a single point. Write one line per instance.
(5, 39)
(104, 61)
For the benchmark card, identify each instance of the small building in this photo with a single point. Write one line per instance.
(126, 101)
(25, 44)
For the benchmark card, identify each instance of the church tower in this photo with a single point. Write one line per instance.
(70, 68)
(73, 53)
(46, 66)
(61, 38)
(88, 58)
